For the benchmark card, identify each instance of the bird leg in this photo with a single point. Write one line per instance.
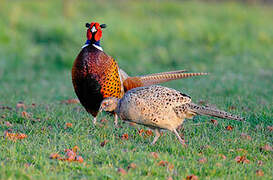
(179, 138)
(94, 120)
(116, 119)
(157, 135)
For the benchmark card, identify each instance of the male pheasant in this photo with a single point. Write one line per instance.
(159, 108)
(96, 76)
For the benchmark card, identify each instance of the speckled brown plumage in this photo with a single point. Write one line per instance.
(159, 108)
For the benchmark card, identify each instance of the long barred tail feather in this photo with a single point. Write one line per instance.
(209, 111)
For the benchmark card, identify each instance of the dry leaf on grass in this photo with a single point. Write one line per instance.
(170, 178)
(229, 128)
(68, 125)
(163, 163)
(266, 148)
(242, 159)
(122, 171)
(102, 144)
(14, 136)
(202, 160)
(223, 156)
(70, 101)
(125, 136)
(154, 155)
(192, 177)
(8, 124)
(270, 128)
(20, 105)
(214, 122)
(24, 114)
(259, 172)
(148, 132)
(140, 132)
(132, 166)
(70, 155)
(54, 156)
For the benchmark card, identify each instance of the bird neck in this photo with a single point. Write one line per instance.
(96, 44)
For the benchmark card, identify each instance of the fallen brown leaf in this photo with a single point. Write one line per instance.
(140, 132)
(270, 128)
(75, 149)
(102, 144)
(259, 172)
(242, 159)
(148, 132)
(125, 136)
(70, 101)
(79, 159)
(202, 160)
(170, 178)
(192, 177)
(229, 128)
(266, 148)
(122, 171)
(24, 114)
(154, 155)
(54, 156)
(8, 124)
(163, 163)
(214, 122)
(223, 156)
(68, 125)
(132, 166)
(14, 136)
(20, 105)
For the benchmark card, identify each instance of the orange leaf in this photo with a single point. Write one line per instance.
(24, 114)
(259, 173)
(270, 128)
(140, 132)
(192, 177)
(54, 156)
(149, 132)
(229, 128)
(75, 149)
(132, 166)
(242, 159)
(170, 178)
(214, 122)
(154, 155)
(223, 156)
(68, 125)
(79, 159)
(122, 171)
(163, 163)
(70, 101)
(125, 136)
(266, 148)
(202, 160)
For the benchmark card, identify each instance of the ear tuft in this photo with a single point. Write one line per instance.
(103, 26)
(87, 25)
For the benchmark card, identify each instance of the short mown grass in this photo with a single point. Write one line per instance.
(232, 41)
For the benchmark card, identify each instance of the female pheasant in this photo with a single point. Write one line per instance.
(96, 76)
(159, 107)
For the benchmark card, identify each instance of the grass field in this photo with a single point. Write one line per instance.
(38, 44)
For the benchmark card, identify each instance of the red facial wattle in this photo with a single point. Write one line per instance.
(97, 35)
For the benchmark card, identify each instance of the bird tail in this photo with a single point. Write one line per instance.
(157, 78)
(209, 111)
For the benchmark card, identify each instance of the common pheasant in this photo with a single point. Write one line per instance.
(159, 108)
(96, 76)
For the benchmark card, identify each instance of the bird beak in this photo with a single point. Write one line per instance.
(93, 29)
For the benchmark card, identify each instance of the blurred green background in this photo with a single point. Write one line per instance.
(232, 40)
